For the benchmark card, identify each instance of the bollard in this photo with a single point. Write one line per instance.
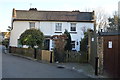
(9, 49)
(35, 52)
(96, 66)
(51, 57)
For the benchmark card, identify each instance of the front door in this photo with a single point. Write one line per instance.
(46, 44)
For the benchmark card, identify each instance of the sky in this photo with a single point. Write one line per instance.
(6, 6)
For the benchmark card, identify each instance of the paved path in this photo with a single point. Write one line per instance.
(17, 67)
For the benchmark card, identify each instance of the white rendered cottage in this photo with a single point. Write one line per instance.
(51, 23)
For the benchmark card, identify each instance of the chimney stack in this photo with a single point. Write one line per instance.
(14, 13)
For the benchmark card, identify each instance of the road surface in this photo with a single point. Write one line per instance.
(17, 67)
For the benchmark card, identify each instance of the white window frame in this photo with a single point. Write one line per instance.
(53, 43)
(32, 25)
(58, 27)
(73, 25)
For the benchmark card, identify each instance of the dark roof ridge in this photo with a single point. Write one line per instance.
(53, 11)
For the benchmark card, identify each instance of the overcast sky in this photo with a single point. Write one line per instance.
(6, 7)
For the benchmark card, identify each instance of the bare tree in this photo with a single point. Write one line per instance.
(101, 19)
(84, 29)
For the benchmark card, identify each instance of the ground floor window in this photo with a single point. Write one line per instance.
(19, 44)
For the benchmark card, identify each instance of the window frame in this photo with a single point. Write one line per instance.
(73, 26)
(58, 27)
(31, 25)
(53, 43)
(73, 43)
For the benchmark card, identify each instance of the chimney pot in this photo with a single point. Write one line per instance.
(33, 9)
(14, 12)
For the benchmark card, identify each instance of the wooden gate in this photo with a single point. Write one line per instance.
(111, 55)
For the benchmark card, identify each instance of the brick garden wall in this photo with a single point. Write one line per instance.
(100, 54)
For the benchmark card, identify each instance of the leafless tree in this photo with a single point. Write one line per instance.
(101, 19)
(84, 29)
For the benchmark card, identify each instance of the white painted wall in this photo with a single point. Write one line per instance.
(18, 28)
(48, 28)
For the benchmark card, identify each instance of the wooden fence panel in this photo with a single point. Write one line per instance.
(76, 57)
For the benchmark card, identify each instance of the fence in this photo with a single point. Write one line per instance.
(43, 55)
(22, 51)
(80, 57)
(49, 56)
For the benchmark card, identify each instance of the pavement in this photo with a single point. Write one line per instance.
(85, 68)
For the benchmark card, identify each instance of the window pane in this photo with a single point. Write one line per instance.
(32, 25)
(73, 44)
(58, 27)
(73, 27)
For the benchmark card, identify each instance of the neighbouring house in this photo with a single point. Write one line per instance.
(51, 23)
(6, 35)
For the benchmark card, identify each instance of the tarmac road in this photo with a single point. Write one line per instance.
(17, 67)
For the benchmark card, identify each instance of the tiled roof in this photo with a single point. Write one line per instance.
(53, 15)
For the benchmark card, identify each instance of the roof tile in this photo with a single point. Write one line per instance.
(53, 15)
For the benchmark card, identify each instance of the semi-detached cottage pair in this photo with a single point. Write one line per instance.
(51, 23)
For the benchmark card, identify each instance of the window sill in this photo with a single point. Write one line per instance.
(58, 32)
(73, 32)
